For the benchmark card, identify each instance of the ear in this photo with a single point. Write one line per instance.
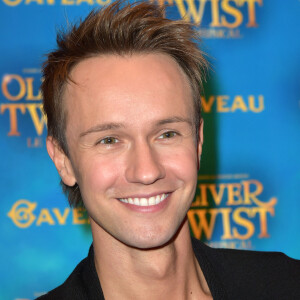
(200, 142)
(61, 161)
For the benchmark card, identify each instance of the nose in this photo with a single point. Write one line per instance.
(144, 165)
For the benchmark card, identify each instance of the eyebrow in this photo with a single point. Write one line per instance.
(175, 120)
(102, 127)
(110, 126)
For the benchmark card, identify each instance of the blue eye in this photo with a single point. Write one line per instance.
(108, 140)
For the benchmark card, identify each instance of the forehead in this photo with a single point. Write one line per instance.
(111, 85)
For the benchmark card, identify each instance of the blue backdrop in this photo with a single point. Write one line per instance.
(250, 173)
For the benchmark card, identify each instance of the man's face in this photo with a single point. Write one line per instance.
(132, 146)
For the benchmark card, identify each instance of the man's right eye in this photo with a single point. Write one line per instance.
(108, 141)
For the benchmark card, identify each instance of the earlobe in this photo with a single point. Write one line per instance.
(61, 161)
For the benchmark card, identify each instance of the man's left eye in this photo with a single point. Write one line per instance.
(168, 135)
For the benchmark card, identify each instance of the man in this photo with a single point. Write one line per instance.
(122, 98)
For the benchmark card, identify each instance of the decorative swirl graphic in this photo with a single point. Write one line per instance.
(21, 213)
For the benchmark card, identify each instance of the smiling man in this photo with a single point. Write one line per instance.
(122, 98)
(133, 153)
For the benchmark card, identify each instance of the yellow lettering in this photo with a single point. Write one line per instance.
(239, 220)
(248, 195)
(238, 103)
(34, 143)
(67, 2)
(12, 108)
(233, 33)
(260, 106)
(37, 1)
(203, 194)
(90, 2)
(22, 88)
(12, 2)
(30, 95)
(262, 212)
(45, 217)
(215, 14)
(103, 2)
(251, 12)
(61, 218)
(206, 105)
(38, 122)
(221, 103)
(252, 195)
(203, 225)
(234, 194)
(22, 213)
(226, 223)
(79, 216)
(192, 12)
(196, 202)
(238, 17)
(217, 196)
(201, 200)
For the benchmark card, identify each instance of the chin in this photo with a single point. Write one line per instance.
(150, 240)
(147, 244)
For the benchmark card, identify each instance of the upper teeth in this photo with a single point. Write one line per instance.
(145, 201)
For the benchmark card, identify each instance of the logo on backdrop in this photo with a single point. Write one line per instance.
(21, 104)
(215, 18)
(236, 206)
(218, 18)
(25, 214)
(231, 104)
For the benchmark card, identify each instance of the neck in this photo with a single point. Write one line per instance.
(168, 272)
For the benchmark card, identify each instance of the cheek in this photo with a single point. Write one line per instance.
(183, 164)
(97, 177)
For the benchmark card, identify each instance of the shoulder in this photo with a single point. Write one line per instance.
(72, 288)
(83, 283)
(254, 273)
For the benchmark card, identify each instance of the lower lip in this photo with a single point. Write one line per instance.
(148, 209)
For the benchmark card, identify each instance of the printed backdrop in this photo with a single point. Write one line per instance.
(250, 173)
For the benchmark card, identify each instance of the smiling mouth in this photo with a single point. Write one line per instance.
(154, 200)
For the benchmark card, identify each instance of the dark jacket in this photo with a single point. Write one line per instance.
(230, 274)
